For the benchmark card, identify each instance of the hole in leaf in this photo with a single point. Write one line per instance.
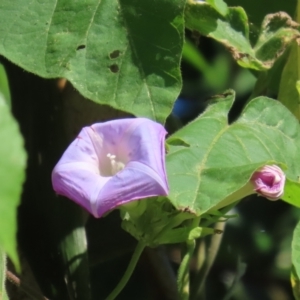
(114, 68)
(114, 54)
(80, 47)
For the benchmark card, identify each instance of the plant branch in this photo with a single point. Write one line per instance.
(24, 287)
(183, 279)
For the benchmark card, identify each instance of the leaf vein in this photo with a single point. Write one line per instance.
(142, 73)
(204, 160)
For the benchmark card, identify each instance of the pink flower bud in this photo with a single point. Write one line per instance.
(269, 182)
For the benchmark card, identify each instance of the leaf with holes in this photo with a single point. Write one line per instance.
(215, 159)
(232, 30)
(124, 53)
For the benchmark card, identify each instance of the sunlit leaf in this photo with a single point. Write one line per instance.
(221, 157)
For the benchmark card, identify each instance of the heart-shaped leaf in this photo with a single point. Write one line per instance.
(123, 53)
(221, 157)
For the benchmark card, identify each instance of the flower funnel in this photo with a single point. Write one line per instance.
(113, 163)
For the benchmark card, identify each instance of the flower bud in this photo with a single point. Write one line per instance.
(269, 182)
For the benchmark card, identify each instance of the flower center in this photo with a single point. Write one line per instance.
(116, 166)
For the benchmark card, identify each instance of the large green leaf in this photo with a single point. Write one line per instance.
(210, 160)
(12, 165)
(123, 53)
(232, 30)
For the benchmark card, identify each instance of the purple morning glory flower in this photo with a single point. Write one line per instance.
(113, 163)
(269, 182)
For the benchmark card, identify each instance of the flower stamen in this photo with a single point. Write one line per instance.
(116, 166)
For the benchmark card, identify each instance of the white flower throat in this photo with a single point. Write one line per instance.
(116, 166)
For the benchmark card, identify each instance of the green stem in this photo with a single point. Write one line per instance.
(183, 278)
(134, 259)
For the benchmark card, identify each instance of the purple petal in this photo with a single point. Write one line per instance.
(84, 174)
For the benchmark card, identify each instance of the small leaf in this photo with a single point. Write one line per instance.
(113, 52)
(277, 32)
(222, 157)
(12, 174)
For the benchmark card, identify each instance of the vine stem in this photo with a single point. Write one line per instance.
(183, 278)
(132, 264)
